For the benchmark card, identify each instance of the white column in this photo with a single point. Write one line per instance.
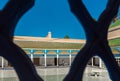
(45, 57)
(100, 63)
(31, 54)
(57, 57)
(57, 60)
(70, 56)
(2, 62)
(92, 61)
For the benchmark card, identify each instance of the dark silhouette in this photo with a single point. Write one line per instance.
(96, 33)
(9, 16)
(97, 44)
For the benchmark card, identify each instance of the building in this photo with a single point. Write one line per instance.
(48, 51)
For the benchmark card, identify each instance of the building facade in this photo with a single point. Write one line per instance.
(48, 51)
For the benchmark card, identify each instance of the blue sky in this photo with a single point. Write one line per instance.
(54, 16)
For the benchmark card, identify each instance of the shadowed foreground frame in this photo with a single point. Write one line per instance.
(9, 16)
(97, 43)
(96, 33)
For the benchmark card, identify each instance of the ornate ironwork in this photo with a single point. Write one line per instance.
(97, 44)
(96, 33)
(9, 16)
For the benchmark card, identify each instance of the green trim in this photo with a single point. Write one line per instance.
(117, 23)
(48, 45)
(114, 42)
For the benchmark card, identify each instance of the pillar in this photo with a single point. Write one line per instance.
(57, 57)
(45, 57)
(70, 57)
(92, 61)
(100, 63)
(2, 62)
(31, 54)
